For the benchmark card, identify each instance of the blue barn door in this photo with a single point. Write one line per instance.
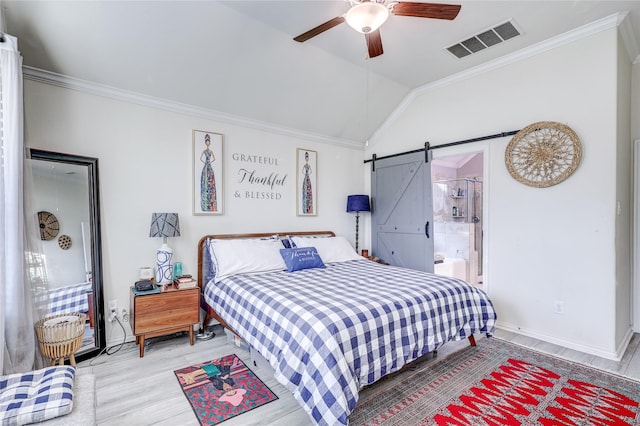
(402, 212)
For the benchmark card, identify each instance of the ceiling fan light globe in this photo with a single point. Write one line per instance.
(367, 17)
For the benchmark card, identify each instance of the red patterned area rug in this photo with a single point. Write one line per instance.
(499, 383)
(221, 389)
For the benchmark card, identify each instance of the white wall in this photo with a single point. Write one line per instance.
(145, 166)
(542, 245)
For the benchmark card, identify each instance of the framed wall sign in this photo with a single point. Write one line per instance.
(306, 182)
(208, 177)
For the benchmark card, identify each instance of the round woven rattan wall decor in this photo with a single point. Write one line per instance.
(64, 241)
(49, 225)
(543, 154)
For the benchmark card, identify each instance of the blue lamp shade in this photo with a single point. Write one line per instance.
(164, 225)
(358, 203)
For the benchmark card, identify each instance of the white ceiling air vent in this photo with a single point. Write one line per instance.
(485, 39)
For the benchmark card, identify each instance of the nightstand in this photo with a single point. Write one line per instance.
(163, 313)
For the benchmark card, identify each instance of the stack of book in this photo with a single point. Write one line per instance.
(185, 281)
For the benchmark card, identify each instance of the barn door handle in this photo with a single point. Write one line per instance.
(426, 229)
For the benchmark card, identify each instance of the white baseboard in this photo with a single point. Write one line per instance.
(624, 344)
(615, 356)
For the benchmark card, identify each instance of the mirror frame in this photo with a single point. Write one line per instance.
(96, 242)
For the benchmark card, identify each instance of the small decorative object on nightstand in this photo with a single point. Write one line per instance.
(146, 273)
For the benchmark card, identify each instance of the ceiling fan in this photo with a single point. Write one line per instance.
(366, 16)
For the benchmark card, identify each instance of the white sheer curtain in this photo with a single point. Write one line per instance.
(18, 309)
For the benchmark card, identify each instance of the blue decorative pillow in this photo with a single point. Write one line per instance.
(297, 259)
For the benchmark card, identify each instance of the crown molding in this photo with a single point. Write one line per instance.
(581, 32)
(59, 80)
(628, 37)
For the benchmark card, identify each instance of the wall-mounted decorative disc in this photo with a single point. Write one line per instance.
(49, 225)
(543, 154)
(64, 242)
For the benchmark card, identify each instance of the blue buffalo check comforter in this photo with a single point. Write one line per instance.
(329, 332)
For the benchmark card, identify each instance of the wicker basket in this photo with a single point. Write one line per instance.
(58, 340)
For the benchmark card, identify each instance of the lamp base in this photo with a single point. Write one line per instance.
(205, 335)
(164, 269)
(357, 222)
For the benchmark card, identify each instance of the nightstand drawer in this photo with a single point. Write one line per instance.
(155, 321)
(161, 303)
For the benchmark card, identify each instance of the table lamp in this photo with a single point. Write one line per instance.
(164, 225)
(358, 203)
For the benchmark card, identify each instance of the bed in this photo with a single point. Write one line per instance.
(329, 329)
(70, 299)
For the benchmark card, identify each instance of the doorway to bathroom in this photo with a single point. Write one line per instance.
(458, 216)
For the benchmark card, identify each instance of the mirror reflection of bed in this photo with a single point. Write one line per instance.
(63, 190)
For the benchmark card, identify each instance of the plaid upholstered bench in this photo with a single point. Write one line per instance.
(41, 395)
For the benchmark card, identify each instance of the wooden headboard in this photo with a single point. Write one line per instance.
(203, 240)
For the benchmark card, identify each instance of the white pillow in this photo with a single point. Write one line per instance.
(242, 256)
(332, 249)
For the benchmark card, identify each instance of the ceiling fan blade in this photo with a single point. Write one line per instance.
(319, 29)
(426, 10)
(374, 43)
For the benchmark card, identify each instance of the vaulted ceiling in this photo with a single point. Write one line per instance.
(238, 58)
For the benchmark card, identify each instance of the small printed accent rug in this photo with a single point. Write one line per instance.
(221, 389)
(499, 383)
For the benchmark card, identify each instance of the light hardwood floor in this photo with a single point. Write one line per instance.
(144, 391)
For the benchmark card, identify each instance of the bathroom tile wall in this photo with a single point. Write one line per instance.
(452, 239)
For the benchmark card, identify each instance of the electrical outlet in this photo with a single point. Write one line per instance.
(125, 315)
(559, 307)
(113, 309)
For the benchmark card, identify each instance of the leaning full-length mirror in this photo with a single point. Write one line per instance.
(67, 205)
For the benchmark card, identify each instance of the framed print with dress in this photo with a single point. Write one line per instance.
(306, 182)
(207, 173)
